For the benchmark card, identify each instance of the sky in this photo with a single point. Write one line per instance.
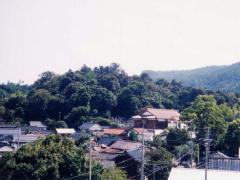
(58, 35)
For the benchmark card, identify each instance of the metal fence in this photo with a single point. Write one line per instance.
(232, 164)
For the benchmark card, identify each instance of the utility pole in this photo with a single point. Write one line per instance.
(59, 116)
(154, 169)
(198, 151)
(90, 159)
(207, 142)
(191, 143)
(142, 162)
(19, 129)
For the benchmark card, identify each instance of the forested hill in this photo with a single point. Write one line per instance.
(92, 94)
(223, 78)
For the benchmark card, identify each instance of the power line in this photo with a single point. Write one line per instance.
(142, 161)
(90, 158)
(207, 142)
(85, 174)
(124, 161)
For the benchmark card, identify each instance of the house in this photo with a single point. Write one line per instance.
(156, 118)
(10, 130)
(114, 131)
(126, 145)
(105, 155)
(37, 126)
(108, 140)
(6, 149)
(199, 174)
(66, 131)
(5, 138)
(22, 139)
(148, 134)
(90, 127)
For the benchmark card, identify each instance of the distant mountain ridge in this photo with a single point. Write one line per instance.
(224, 78)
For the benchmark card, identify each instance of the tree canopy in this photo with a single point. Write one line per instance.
(55, 157)
(113, 174)
(104, 91)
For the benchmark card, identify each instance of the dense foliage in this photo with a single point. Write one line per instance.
(205, 113)
(223, 78)
(232, 138)
(160, 162)
(90, 94)
(52, 158)
(113, 174)
(98, 95)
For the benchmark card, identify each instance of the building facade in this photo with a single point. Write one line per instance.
(156, 118)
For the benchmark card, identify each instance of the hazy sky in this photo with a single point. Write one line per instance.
(56, 35)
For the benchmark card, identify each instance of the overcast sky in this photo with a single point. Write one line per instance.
(57, 35)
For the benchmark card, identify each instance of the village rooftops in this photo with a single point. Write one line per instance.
(8, 126)
(114, 131)
(65, 131)
(125, 145)
(38, 124)
(108, 140)
(28, 138)
(91, 127)
(199, 174)
(151, 113)
(107, 149)
(10, 130)
(140, 130)
(4, 149)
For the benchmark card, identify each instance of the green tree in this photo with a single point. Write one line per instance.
(77, 116)
(2, 110)
(54, 157)
(158, 142)
(103, 100)
(232, 138)
(16, 100)
(163, 160)
(44, 79)
(37, 101)
(128, 103)
(176, 137)
(207, 114)
(133, 136)
(113, 174)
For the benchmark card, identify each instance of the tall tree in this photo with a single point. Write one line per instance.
(232, 138)
(52, 158)
(113, 174)
(207, 114)
(37, 101)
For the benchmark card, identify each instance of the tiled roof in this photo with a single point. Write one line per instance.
(113, 131)
(65, 131)
(6, 149)
(91, 127)
(139, 130)
(37, 124)
(169, 114)
(25, 138)
(108, 140)
(109, 150)
(125, 145)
